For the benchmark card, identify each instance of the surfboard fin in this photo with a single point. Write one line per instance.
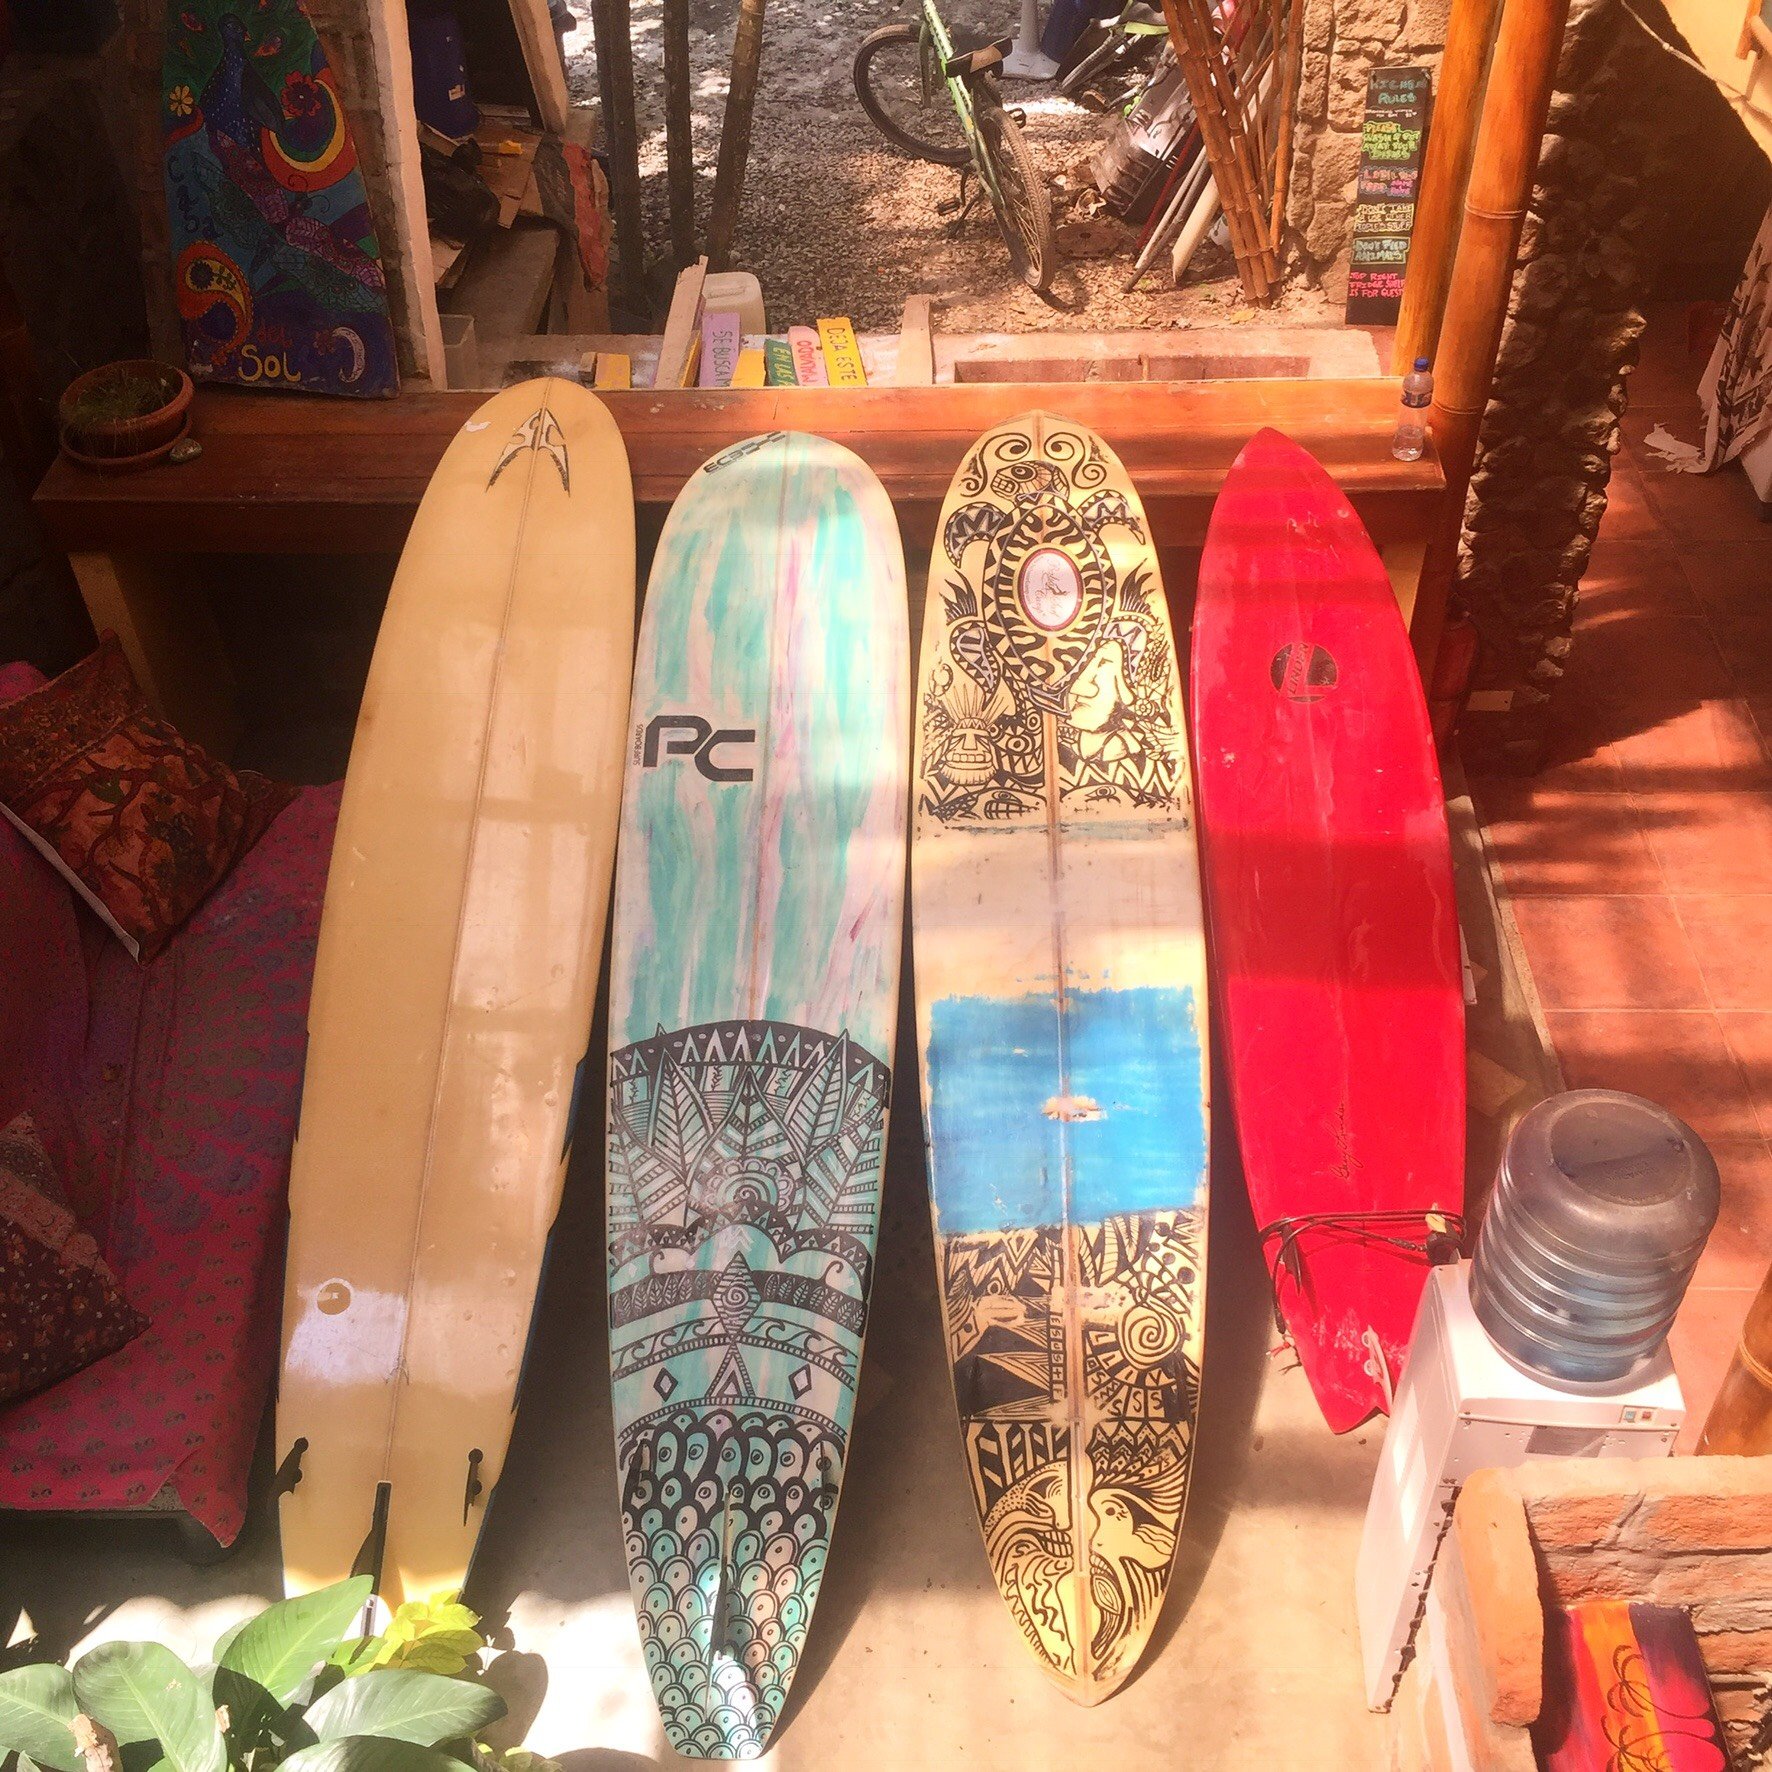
(375, 1544)
(474, 1488)
(720, 1632)
(288, 1473)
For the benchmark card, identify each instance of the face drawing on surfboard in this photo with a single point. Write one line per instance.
(1060, 647)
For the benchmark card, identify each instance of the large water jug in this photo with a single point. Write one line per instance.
(1599, 1215)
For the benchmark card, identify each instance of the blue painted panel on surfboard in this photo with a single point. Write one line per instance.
(991, 1064)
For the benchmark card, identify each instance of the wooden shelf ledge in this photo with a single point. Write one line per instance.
(280, 474)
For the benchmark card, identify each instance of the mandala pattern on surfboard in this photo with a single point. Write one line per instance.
(744, 1190)
(1048, 641)
(1138, 1280)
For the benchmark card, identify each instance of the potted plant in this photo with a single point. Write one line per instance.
(125, 415)
(293, 1688)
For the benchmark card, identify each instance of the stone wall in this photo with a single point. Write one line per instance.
(1634, 136)
(1343, 41)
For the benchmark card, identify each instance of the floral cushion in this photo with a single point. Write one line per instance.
(141, 822)
(60, 1308)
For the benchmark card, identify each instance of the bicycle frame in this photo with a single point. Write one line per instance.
(938, 51)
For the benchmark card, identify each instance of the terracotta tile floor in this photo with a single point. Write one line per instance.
(1640, 860)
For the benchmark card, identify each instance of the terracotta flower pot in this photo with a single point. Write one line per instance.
(125, 415)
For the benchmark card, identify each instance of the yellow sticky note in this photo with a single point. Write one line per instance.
(615, 369)
(842, 355)
(749, 370)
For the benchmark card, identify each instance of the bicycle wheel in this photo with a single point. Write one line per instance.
(1024, 212)
(906, 96)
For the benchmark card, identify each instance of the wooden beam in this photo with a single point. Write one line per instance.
(1504, 160)
(1451, 140)
(371, 54)
(541, 59)
(916, 347)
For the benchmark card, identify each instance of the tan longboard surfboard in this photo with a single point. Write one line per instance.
(451, 1009)
(1061, 1024)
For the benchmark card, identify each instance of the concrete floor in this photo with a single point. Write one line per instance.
(1255, 1660)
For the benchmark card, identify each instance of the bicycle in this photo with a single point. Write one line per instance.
(900, 71)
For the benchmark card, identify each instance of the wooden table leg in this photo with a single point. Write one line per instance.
(170, 638)
(1402, 561)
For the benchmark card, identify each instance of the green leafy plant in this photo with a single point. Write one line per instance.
(289, 1689)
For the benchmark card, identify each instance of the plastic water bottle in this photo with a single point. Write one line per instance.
(1600, 1213)
(1410, 436)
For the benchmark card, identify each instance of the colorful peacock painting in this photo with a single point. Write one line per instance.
(276, 268)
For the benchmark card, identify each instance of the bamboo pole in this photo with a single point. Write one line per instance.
(1451, 139)
(1218, 112)
(1740, 1420)
(735, 133)
(679, 132)
(1503, 162)
(1288, 107)
(615, 86)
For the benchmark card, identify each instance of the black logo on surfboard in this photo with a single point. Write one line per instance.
(689, 735)
(1303, 672)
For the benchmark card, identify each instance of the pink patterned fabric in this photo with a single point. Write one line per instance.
(176, 1086)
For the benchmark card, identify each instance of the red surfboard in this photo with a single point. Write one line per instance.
(1333, 928)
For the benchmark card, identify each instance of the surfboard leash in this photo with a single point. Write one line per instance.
(1441, 1241)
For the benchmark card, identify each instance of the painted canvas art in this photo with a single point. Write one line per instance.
(1626, 1691)
(276, 269)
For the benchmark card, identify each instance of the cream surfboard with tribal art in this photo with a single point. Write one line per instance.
(753, 1002)
(458, 958)
(1061, 1022)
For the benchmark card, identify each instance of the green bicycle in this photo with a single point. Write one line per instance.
(938, 100)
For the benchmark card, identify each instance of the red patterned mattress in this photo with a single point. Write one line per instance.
(167, 1095)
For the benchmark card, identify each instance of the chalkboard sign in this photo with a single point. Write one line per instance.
(1384, 205)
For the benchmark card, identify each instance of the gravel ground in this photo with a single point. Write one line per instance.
(834, 221)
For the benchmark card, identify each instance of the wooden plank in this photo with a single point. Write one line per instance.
(614, 372)
(720, 345)
(372, 60)
(842, 355)
(682, 327)
(506, 281)
(808, 355)
(916, 348)
(541, 57)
